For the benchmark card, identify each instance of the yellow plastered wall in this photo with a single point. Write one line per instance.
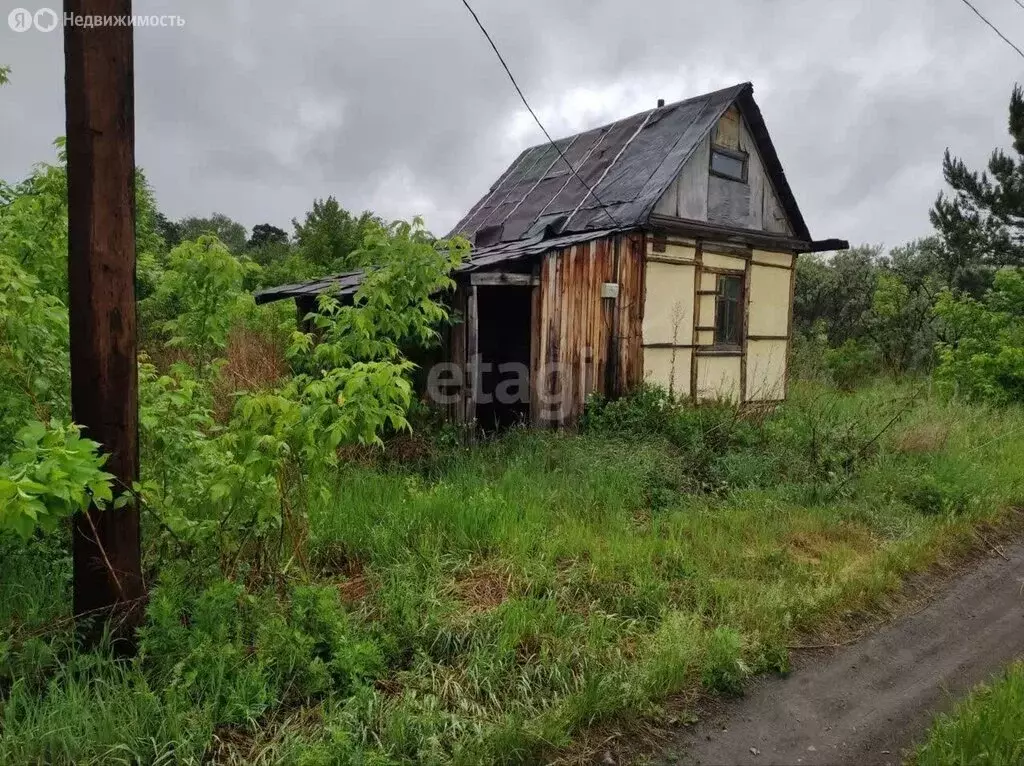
(768, 312)
(672, 252)
(769, 301)
(718, 377)
(672, 322)
(722, 261)
(670, 368)
(668, 320)
(668, 310)
(766, 370)
(774, 259)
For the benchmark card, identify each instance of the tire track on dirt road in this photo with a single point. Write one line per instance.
(869, 701)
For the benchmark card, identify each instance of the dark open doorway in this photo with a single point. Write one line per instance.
(504, 346)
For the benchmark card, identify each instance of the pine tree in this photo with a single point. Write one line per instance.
(982, 223)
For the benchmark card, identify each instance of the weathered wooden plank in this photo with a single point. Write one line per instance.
(727, 131)
(457, 350)
(565, 317)
(570, 349)
(472, 354)
(745, 330)
(605, 319)
(728, 202)
(756, 179)
(789, 331)
(697, 317)
(590, 297)
(536, 342)
(692, 194)
(498, 278)
(778, 243)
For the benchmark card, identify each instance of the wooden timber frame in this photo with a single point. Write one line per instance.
(736, 245)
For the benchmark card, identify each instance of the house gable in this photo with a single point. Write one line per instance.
(697, 194)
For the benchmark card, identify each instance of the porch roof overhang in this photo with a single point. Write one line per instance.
(483, 259)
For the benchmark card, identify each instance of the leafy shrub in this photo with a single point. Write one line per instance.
(35, 379)
(642, 413)
(851, 364)
(52, 474)
(199, 297)
(930, 498)
(237, 653)
(698, 437)
(983, 356)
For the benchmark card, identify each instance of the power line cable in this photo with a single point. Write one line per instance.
(533, 114)
(994, 28)
(1018, 2)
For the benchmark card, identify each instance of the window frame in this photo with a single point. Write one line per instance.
(725, 151)
(735, 343)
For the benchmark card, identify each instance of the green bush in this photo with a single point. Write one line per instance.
(851, 364)
(983, 357)
(931, 498)
(237, 653)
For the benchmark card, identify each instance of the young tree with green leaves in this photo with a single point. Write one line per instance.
(231, 233)
(330, 238)
(267, 234)
(199, 297)
(983, 354)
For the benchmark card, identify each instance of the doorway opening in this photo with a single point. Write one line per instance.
(504, 347)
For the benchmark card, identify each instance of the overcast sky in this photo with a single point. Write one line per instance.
(253, 108)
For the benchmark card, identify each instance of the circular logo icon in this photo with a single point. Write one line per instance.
(20, 20)
(46, 19)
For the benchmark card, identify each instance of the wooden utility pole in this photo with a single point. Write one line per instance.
(100, 100)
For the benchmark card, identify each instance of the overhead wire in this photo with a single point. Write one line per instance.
(993, 27)
(526, 103)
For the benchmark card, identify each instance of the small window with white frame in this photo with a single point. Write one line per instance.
(727, 163)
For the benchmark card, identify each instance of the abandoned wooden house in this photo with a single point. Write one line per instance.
(660, 247)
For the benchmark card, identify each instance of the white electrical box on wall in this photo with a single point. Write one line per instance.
(610, 290)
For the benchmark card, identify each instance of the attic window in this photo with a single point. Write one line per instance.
(727, 163)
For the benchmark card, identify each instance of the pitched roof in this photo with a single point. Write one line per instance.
(627, 164)
(538, 204)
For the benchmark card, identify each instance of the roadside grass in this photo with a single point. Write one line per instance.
(986, 728)
(491, 605)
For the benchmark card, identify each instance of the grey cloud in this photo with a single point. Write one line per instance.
(255, 108)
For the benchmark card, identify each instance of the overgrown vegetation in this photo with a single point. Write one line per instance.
(490, 604)
(314, 598)
(946, 302)
(987, 728)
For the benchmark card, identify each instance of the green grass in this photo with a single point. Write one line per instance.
(495, 604)
(986, 728)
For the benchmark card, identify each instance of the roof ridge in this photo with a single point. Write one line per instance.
(738, 87)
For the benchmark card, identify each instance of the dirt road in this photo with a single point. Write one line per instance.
(869, 701)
